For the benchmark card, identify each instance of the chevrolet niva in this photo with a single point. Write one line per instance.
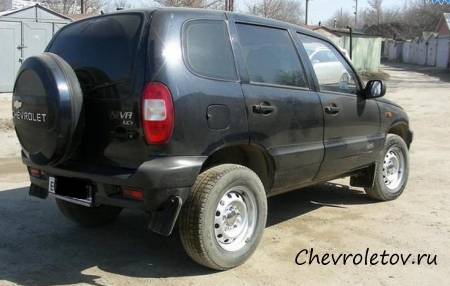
(198, 116)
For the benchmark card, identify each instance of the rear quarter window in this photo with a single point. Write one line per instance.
(207, 49)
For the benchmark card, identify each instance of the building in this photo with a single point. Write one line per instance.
(443, 41)
(24, 33)
(429, 48)
(365, 50)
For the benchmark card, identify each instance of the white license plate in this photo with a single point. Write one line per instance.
(52, 184)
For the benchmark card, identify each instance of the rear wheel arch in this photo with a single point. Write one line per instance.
(250, 156)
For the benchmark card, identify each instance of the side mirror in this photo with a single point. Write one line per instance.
(375, 88)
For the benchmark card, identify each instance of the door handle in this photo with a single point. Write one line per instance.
(332, 109)
(263, 108)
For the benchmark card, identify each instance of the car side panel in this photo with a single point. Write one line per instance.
(292, 134)
(352, 137)
(209, 113)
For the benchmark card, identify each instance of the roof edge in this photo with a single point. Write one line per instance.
(36, 6)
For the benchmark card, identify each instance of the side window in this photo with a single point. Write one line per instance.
(270, 56)
(332, 71)
(208, 49)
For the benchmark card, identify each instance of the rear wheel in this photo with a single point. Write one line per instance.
(88, 216)
(223, 220)
(391, 173)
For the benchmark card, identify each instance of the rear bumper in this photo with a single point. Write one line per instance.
(159, 179)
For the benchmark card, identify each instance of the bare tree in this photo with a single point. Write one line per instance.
(407, 22)
(94, 6)
(215, 4)
(381, 20)
(284, 10)
(116, 5)
(61, 6)
(4, 5)
(420, 16)
(375, 12)
(73, 6)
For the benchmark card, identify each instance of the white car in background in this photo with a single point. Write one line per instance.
(329, 70)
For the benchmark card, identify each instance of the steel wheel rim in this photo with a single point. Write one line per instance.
(235, 218)
(393, 169)
(345, 78)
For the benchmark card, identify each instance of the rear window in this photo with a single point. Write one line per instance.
(101, 50)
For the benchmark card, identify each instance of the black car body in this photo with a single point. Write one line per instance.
(127, 109)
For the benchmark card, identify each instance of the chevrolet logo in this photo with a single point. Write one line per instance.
(17, 104)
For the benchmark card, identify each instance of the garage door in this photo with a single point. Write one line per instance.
(443, 52)
(36, 36)
(10, 35)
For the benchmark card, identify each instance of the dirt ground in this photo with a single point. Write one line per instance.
(38, 246)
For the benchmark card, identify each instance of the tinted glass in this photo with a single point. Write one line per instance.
(332, 71)
(100, 50)
(208, 49)
(270, 56)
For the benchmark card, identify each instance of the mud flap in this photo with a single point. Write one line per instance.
(37, 191)
(163, 220)
(365, 178)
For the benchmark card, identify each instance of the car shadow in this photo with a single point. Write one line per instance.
(38, 246)
(297, 203)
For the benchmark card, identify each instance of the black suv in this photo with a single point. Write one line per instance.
(200, 115)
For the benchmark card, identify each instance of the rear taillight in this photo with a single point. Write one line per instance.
(34, 172)
(133, 193)
(157, 113)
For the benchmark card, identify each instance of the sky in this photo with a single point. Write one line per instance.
(319, 10)
(322, 10)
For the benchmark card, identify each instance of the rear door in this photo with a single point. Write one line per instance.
(103, 52)
(352, 135)
(284, 115)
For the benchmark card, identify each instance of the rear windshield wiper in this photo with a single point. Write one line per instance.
(109, 84)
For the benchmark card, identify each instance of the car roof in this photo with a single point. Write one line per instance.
(239, 17)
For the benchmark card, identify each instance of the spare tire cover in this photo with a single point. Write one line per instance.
(47, 109)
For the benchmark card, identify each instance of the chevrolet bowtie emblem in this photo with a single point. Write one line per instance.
(17, 104)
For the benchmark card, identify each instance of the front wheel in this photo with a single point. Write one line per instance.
(391, 173)
(223, 220)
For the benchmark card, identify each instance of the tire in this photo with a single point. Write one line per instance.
(392, 170)
(86, 216)
(47, 107)
(224, 217)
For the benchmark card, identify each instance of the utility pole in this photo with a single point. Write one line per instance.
(306, 12)
(229, 5)
(356, 13)
(83, 9)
